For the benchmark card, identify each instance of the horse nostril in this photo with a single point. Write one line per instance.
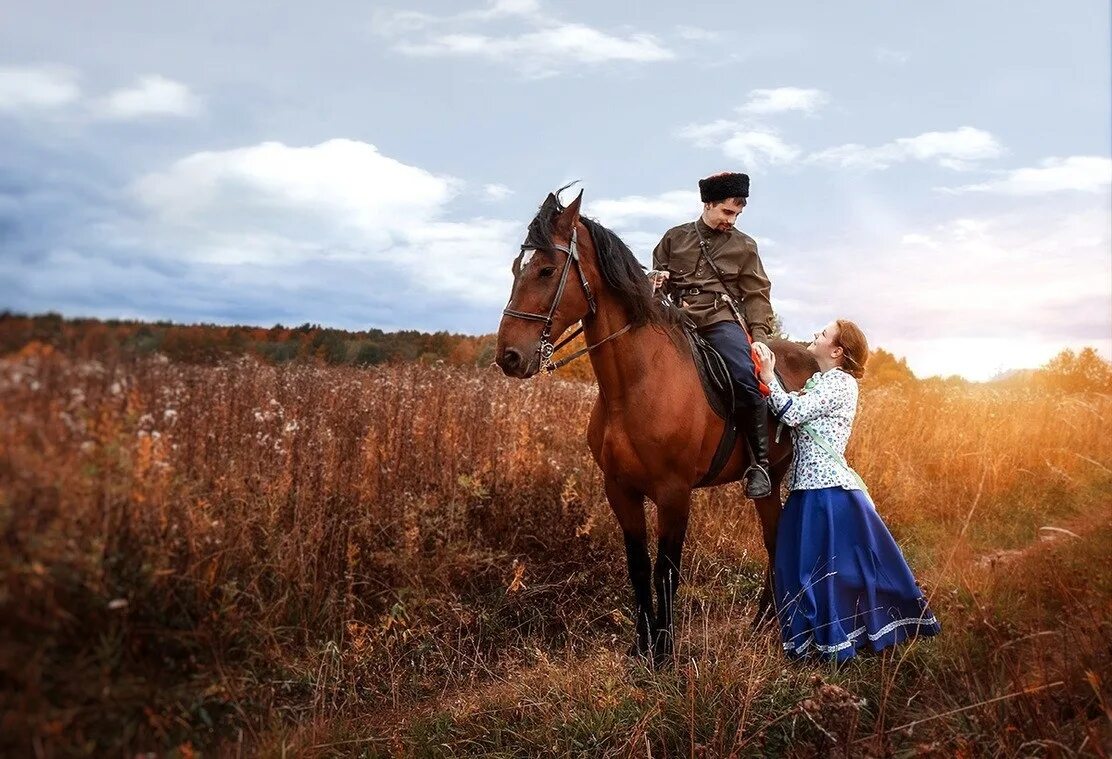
(511, 359)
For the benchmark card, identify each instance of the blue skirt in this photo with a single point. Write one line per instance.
(842, 584)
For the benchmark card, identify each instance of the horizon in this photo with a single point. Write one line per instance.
(350, 166)
(1002, 374)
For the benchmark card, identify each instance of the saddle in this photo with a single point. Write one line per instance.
(717, 385)
(719, 390)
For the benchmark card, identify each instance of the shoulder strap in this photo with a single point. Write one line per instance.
(704, 253)
(838, 458)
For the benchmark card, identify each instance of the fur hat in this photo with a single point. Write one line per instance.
(719, 187)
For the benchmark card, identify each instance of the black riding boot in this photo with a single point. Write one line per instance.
(753, 422)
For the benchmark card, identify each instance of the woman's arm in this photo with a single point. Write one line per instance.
(828, 396)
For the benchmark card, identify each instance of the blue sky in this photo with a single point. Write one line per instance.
(940, 174)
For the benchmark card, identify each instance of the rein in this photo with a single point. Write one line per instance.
(546, 349)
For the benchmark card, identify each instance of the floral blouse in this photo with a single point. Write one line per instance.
(827, 406)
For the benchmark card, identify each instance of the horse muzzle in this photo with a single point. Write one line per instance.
(515, 363)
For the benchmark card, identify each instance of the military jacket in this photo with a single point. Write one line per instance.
(693, 283)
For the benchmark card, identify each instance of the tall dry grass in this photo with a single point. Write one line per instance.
(419, 560)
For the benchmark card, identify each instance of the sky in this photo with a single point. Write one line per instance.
(938, 173)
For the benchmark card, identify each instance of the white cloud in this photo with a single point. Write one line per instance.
(348, 180)
(25, 88)
(759, 148)
(754, 147)
(781, 99)
(749, 138)
(549, 46)
(342, 200)
(511, 8)
(546, 50)
(622, 212)
(1077, 173)
(150, 96)
(400, 22)
(497, 191)
(710, 134)
(957, 149)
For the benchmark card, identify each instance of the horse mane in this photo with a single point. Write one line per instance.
(624, 274)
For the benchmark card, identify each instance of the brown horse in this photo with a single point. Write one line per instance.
(651, 431)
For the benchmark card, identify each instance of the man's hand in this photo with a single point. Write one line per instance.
(768, 361)
(659, 277)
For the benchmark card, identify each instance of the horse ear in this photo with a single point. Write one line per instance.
(569, 216)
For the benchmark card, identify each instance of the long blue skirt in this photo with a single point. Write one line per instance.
(842, 584)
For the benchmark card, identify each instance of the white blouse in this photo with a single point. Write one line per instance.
(828, 408)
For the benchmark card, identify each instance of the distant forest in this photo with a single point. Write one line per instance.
(312, 343)
(208, 343)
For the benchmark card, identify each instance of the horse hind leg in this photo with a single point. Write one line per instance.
(629, 508)
(672, 515)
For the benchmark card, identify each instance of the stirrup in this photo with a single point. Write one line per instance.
(763, 493)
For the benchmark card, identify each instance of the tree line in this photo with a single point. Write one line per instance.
(209, 343)
(1069, 371)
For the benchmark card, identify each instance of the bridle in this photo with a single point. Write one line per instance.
(545, 348)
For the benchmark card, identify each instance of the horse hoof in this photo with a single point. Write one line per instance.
(662, 650)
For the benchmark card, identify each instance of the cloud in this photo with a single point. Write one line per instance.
(274, 205)
(347, 180)
(968, 296)
(1076, 173)
(754, 147)
(749, 138)
(625, 211)
(151, 95)
(42, 89)
(547, 48)
(784, 99)
(758, 148)
(26, 88)
(957, 149)
(496, 191)
(400, 22)
(334, 232)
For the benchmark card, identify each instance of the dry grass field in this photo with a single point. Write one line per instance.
(242, 560)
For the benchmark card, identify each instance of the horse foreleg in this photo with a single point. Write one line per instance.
(768, 509)
(671, 519)
(629, 508)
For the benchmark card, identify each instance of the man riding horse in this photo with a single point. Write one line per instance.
(652, 430)
(711, 269)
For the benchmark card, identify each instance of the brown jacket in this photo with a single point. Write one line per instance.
(735, 255)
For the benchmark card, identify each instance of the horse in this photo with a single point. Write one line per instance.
(652, 431)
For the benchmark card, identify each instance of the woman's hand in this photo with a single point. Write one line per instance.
(768, 362)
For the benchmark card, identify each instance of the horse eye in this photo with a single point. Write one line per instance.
(547, 271)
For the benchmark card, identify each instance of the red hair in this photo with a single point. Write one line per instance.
(855, 348)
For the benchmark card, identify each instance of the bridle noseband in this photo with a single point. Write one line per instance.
(546, 348)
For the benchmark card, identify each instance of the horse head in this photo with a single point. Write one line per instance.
(550, 291)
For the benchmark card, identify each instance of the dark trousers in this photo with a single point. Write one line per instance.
(729, 339)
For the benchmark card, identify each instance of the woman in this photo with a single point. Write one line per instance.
(841, 583)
